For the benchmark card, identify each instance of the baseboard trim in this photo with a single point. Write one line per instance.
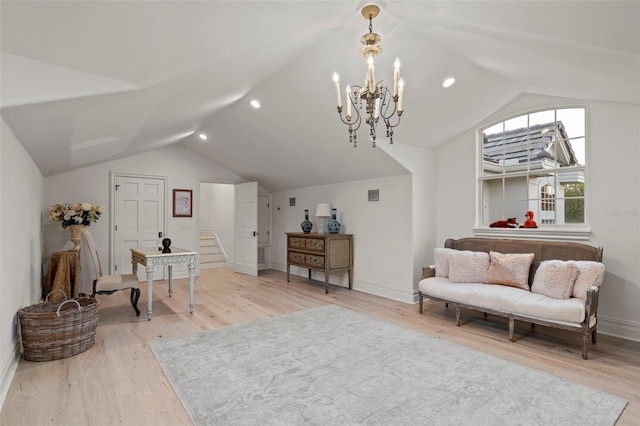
(386, 292)
(8, 371)
(341, 279)
(615, 327)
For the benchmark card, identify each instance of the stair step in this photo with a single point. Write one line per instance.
(210, 250)
(214, 265)
(209, 245)
(214, 257)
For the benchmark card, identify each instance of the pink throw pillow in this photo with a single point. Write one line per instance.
(511, 269)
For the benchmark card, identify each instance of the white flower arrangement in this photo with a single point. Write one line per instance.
(75, 213)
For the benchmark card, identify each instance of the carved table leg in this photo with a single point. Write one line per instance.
(191, 284)
(149, 289)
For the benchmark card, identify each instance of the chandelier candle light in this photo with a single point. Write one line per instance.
(375, 96)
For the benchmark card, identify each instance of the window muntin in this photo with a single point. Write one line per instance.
(535, 162)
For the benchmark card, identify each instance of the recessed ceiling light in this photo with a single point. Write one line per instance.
(255, 104)
(202, 136)
(448, 82)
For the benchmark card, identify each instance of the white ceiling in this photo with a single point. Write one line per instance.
(93, 81)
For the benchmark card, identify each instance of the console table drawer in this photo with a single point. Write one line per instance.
(314, 244)
(306, 259)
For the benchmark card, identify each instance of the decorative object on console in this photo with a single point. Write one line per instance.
(75, 231)
(334, 225)
(512, 222)
(323, 213)
(166, 245)
(75, 216)
(529, 223)
(376, 96)
(306, 224)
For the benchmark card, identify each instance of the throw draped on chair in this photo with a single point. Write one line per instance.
(93, 282)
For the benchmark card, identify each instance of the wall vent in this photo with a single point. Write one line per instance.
(292, 202)
(374, 195)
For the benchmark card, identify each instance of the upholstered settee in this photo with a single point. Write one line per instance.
(550, 283)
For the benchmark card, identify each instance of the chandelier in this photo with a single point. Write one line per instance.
(374, 97)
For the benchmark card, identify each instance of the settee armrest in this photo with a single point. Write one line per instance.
(428, 272)
(591, 305)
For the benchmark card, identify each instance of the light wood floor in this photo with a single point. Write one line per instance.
(118, 381)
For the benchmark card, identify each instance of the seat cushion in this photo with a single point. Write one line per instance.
(117, 282)
(508, 300)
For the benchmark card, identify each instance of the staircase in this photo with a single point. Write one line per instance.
(210, 254)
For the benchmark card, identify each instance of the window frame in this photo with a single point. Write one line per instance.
(580, 231)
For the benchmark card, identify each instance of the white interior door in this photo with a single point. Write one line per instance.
(139, 220)
(246, 228)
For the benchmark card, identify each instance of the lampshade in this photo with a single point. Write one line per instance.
(323, 210)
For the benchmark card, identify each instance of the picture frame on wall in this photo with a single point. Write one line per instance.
(182, 202)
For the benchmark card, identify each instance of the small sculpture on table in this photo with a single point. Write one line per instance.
(306, 224)
(166, 245)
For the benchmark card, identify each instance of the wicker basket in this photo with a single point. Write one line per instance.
(53, 330)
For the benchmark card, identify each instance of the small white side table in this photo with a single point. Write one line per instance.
(152, 258)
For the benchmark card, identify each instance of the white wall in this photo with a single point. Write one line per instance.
(382, 231)
(21, 201)
(612, 205)
(420, 162)
(183, 168)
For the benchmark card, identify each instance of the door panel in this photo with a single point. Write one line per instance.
(139, 218)
(246, 228)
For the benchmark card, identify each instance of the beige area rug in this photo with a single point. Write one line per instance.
(334, 366)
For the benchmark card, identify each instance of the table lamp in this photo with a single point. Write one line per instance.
(323, 213)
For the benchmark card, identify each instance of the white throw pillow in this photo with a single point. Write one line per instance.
(555, 278)
(442, 264)
(589, 274)
(510, 269)
(468, 266)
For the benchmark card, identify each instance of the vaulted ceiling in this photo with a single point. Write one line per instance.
(93, 81)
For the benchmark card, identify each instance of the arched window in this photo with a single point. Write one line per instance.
(547, 198)
(536, 162)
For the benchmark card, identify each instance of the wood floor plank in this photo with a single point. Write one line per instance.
(118, 381)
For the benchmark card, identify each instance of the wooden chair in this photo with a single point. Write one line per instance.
(91, 272)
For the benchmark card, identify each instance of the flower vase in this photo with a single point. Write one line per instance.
(334, 225)
(306, 223)
(75, 232)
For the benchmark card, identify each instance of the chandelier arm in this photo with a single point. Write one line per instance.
(356, 119)
(388, 100)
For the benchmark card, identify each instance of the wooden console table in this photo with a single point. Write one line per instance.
(320, 252)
